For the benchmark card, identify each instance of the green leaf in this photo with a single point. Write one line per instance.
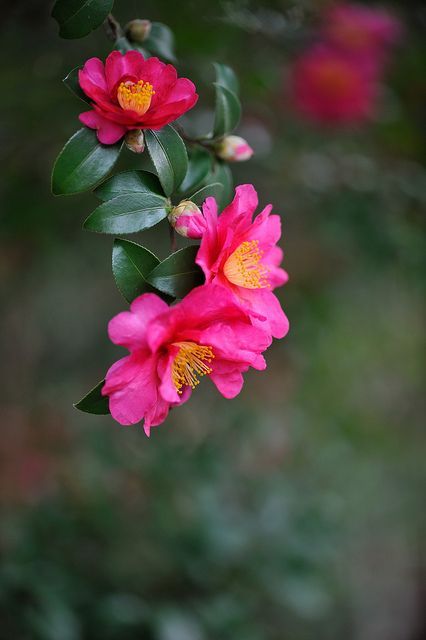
(77, 18)
(128, 182)
(161, 42)
(228, 111)
(128, 213)
(199, 164)
(94, 401)
(168, 154)
(223, 174)
(131, 263)
(82, 163)
(178, 274)
(71, 81)
(226, 77)
(215, 189)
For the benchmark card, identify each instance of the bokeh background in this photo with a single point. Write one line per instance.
(296, 511)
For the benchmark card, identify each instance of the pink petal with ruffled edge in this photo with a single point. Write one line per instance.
(132, 388)
(108, 132)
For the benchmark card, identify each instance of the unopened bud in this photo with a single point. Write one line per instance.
(135, 140)
(187, 220)
(138, 30)
(234, 149)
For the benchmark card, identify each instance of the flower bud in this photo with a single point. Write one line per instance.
(135, 140)
(234, 149)
(138, 30)
(187, 220)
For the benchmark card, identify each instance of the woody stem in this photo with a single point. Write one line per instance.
(113, 28)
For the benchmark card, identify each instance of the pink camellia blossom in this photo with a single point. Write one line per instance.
(130, 92)
(241, 255)
(330, 87)
(360, 29)
(206, 333)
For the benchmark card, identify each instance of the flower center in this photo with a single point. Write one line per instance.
(243, 267)
(192, 360)
(135, 96)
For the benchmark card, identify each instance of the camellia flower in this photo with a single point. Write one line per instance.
(361, 29)
(187, 220)
(234, 149)
(331, 87)
(241, 255)
(205, 334)
(130, 92)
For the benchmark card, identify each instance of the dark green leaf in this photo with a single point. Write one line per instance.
(215, 189)
(82, 163)
(228, 111)
(131, 263)
(199, 164)
(168, 154)
(128, 182)
(226, 77)
(77, 18)
(127, 213)
(71, 81)
(94, 401)
(223, 174)
(178, 274)
(160, 42)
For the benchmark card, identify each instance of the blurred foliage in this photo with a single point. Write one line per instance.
(294, 512)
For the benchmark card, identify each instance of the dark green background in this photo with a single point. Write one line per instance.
(294, 512)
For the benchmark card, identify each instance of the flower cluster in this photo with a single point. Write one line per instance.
(337, 79)
(219, 329)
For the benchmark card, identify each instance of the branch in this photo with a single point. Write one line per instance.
(202, 143)
(113, 28)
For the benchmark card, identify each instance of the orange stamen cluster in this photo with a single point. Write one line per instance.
(192, 360)
(243, 267)
(135, 96)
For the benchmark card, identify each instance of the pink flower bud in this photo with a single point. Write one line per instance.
(135, 140)
(234, 149)
(138, 30)
(187, 220)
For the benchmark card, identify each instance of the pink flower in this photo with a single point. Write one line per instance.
(241, 255)
(330, 87)
(360, 29)
(206, 333)
(187, 220)
(130, 92)
(234, 149)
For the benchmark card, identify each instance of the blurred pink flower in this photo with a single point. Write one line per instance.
(234, 149)
(242, 256)
(130, 92)
(206, 333)
(359, 29)
(330, 87)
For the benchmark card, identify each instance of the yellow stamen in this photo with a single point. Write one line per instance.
(135, 96)
(189, 363)
(243, 267)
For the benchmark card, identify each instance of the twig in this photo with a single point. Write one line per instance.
(113, 28)
(173, 243)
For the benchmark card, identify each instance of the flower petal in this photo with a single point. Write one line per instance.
(108, 132)
(92, 79)
(121, 67)
(131, 386)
